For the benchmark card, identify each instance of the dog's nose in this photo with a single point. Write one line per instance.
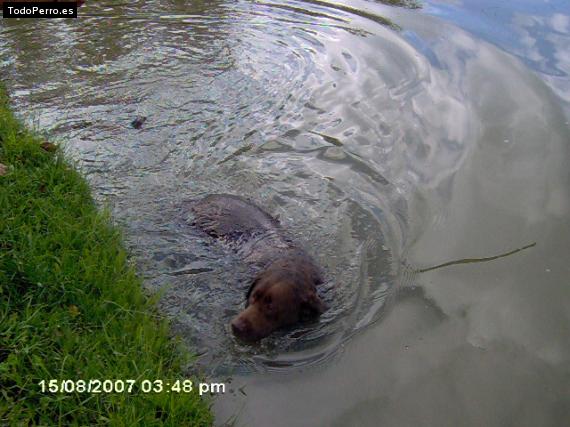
(240, 327)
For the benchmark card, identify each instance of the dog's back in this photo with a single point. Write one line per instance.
(250, 231)
(227, 216)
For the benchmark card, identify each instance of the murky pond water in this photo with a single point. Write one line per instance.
(387, 138)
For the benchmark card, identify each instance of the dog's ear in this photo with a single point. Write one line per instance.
(250, 290)
(317, 278)
(311, 306)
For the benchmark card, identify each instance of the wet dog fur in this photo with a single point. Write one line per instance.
(284, 291)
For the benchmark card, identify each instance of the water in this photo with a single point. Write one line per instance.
(387, 138)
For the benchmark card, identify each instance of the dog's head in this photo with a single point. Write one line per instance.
(282, 295)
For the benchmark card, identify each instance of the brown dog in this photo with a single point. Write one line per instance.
(284, 292)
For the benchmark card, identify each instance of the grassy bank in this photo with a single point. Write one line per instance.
(71, 306)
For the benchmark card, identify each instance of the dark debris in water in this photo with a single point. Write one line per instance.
(409, 4)
(138, 122)
(48, 146)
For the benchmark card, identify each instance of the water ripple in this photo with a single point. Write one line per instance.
(325, 114)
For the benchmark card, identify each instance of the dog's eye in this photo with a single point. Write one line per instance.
(267, 300)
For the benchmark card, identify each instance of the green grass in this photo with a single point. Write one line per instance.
(71, 305)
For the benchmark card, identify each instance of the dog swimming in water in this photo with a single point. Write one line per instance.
(284, 291)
